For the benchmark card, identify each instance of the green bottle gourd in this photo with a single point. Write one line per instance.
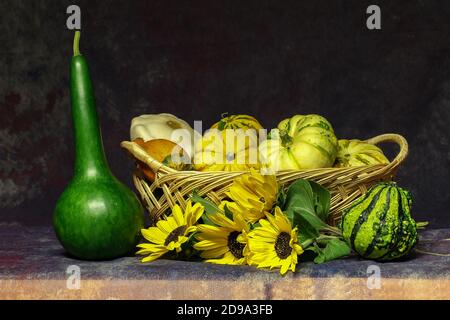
(96, 217)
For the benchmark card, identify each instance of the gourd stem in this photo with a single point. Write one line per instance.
(76, 44)
(286, 139)
(422, 224)
(432, 253)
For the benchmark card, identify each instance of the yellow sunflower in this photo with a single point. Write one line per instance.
(226, 242)
(170, 233)
(274, 244)
(253, 195)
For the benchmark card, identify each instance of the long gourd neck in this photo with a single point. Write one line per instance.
(90, 160)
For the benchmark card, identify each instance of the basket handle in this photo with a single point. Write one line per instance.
(396, 138)
(140, 154)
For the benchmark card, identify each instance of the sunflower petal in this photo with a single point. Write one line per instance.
(154, 235)
(284, 268)
(165, 226)
(178, 215)
(228, 258)
(152, 257)
(214, 253)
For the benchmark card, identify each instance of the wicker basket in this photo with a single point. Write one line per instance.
(345, 184)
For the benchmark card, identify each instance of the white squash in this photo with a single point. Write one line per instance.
(163, 126)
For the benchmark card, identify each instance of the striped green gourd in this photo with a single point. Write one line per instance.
(378, 225)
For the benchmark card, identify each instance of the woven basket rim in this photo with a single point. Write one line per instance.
(345, 184)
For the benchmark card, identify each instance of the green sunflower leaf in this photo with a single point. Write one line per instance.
(281, 197)
(206, 220)
(334, 249)
(255, 225)
(228, 213)
(307, 203)
(322, 199)
(210, 207)
(307, 233)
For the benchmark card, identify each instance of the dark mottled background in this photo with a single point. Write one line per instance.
(198, 59)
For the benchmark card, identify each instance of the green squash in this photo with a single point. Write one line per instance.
(378, 225)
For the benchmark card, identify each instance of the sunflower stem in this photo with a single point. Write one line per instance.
(325, 236)
(333, 230)
(307, 243)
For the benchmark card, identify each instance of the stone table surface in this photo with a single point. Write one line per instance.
(33, 265)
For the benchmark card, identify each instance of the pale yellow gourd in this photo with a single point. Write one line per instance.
(237, 121)
(299, 143)
(227, 150)
(354, 153)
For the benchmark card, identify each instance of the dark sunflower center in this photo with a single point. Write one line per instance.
(173, 236)
(236, 248)
(282, 247)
